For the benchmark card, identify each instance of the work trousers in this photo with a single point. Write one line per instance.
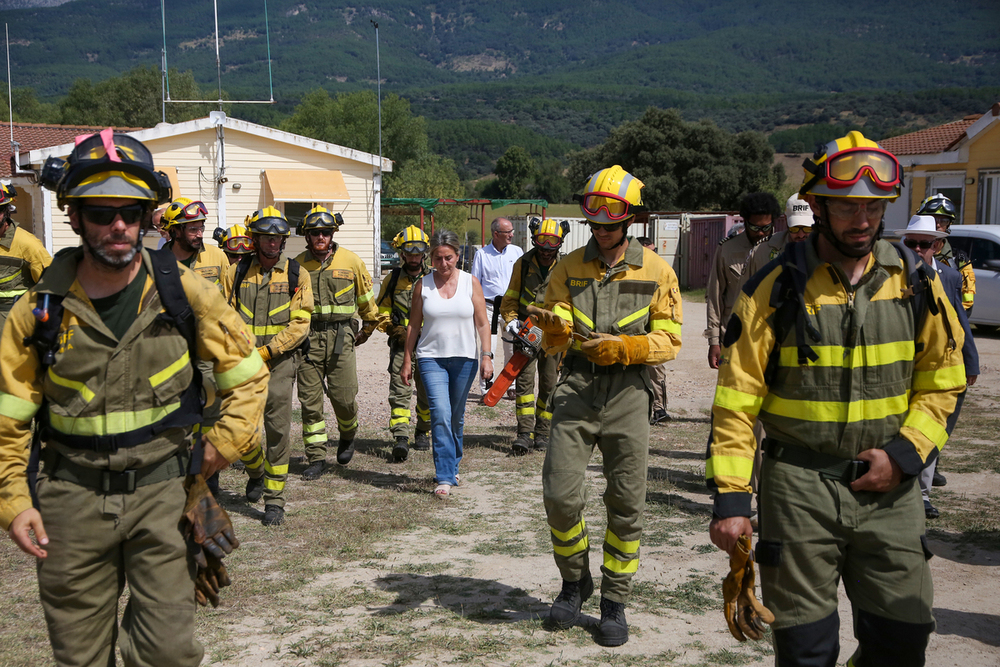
(591, 410)
(533, 413)
(97, 544)
(325, 371)
(400, 395)
(658, 380)
(815, 532)
(273, 464)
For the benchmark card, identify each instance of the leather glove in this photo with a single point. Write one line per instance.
(558, 329)
(397, 334)
(265, 353)
(604, 349)
(210, 537)
(365, 333)
(745, 615)
(514, 326)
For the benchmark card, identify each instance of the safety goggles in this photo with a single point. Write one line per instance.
(759, 228)
(913, 244)
(103, 216)
(194, 210)
(798, 229)
(238, 243)
(270, 225)
(414, 247)
(596, 226)
(614, 206)
(847, 167)
(550, 241)
(849, 211)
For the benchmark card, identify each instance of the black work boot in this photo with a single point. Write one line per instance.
(401, 449)
(345, 451)
(522, 443)
(613, 630)
(273, 515)
(255, 489)
(314, 471)
(565, 610)
(421, 441)
(541, 443)
(939, 479)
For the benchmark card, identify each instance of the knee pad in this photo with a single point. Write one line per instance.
(814, 644)
(888, 643)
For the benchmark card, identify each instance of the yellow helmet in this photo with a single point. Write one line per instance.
(7, 194)
(235, 240)
(269, 220)
(611, 196)
(319, 218)
(548, 233)
(853, 166)
(412, 241)
(182, 211)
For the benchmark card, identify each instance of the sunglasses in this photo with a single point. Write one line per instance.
(798, 229)
(613, 227)
(320, 232)
(102, 216)
(238, 243)
(913, 244)
(759, 228)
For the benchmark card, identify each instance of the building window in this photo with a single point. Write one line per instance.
(296, 210)
(989, 197)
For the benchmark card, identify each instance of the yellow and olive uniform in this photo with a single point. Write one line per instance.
(278, 315)
(22, 260)
(875, 383)
(964, 267)
(118, 428)
(515, 306)
(600, 404)
(723, 284)
(395, 312)
(342, 286)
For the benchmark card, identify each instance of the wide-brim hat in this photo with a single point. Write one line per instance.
(923, 224)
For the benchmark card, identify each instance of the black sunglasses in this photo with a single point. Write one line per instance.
(913, 245)
(105, 215)
(612, 227)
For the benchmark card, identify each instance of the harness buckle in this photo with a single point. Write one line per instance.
(118, 482)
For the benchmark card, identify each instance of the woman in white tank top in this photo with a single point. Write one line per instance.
(447, 311)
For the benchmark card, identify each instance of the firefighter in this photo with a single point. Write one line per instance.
(528, 276)
(848, 352)
(275, 299)
(184, 221)
(235, 241)
(342, 287)
(614, 307)
(22, 255)
(117, 404)
(393, 302)
(943, 211)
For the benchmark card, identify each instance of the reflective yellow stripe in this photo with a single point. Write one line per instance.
(525, 302)
(836, 411)
(968, 297)
(366, 297)
(570, 534)
(276, 470)
(334, 310)
(615, 565)
(530, 410)
(349, 425)
(12, 293)
(728, 466)
(314, 438)
(737, 401)
(398, 421)
(511, 293)
(157, 379)
(633, 317)
(246, 311)
(268, 330)
(384, 310)
(563, 312)
(547, 416)
(300, 314)
(10, 277)
(527, 398)
(629, 547)
(272, 313)
(835, 356)
(931, 429)
(344, 291)
(239, 374)
(665, 325)
(114, 422)
(582, 545)
(315, 427)
(274, 485)
(943, 378)
(87, 394)
(586, 321)
(16, 408)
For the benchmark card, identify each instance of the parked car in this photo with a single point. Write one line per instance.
(389, 258)
(982, 244)
(465, 257)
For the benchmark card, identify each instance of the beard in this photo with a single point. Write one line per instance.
(188, 246)
(93, 244)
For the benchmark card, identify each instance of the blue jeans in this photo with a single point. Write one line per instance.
(447, 382)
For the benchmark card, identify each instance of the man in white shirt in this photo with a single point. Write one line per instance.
(493, 266)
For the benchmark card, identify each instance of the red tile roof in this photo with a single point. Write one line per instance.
(39, 135)
(932, 140)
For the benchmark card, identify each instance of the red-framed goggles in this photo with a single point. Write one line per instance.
(549, 241)
(195, 210)
(614, 206)
(238, 243)
(848, 166)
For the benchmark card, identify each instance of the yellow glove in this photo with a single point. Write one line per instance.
(745, 615)
(605, 349)
(265, 353)
(556, 327)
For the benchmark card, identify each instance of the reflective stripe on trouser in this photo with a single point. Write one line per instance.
(601, 410)
(820, 532)
(89, 558)
(539, 417)
(336, 376)
(277, 428)
(400, 394)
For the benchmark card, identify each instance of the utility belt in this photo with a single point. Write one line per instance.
(840, 470)
(114, 481)
(577, 364)
(342, 327)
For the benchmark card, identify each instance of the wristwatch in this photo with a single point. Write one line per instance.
(488, 354)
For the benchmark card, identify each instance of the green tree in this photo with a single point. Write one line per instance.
(27, 108)
(513, 170)
(551, 183)
(426, 176)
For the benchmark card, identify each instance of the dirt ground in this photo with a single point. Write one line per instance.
(371, 570)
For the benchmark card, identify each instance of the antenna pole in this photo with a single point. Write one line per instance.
(218, 60)
(10, 85)
(164, 81)
(378, 81)
(267, 32)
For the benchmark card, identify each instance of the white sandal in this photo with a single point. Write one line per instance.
(442, 491)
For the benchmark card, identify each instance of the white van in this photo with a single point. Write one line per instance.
(982, 244)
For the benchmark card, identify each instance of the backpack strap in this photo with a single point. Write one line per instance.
(293, 276)
(391, 288)
(242, 268)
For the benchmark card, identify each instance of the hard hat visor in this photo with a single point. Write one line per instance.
(547, 241)
(615, 207)
(848, 167)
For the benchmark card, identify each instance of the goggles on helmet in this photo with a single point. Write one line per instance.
(320, 219)
(414, 247)
(270, 225)
(938, 206)
(238, 244)
(194, 210)
(614, 206)
(848, 166)
(548, 241)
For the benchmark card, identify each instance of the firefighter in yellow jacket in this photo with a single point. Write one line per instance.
(341, 286)
(276, 305)
(528, 276)
(853, 380)
(394, 300)
(114, 391)
(614, 307)
(22, 255)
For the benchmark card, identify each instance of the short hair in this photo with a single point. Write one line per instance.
(495, 225)
(644, 240)
(445, 237)
(759, 203)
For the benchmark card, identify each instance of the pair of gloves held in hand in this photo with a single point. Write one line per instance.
(601, 348)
